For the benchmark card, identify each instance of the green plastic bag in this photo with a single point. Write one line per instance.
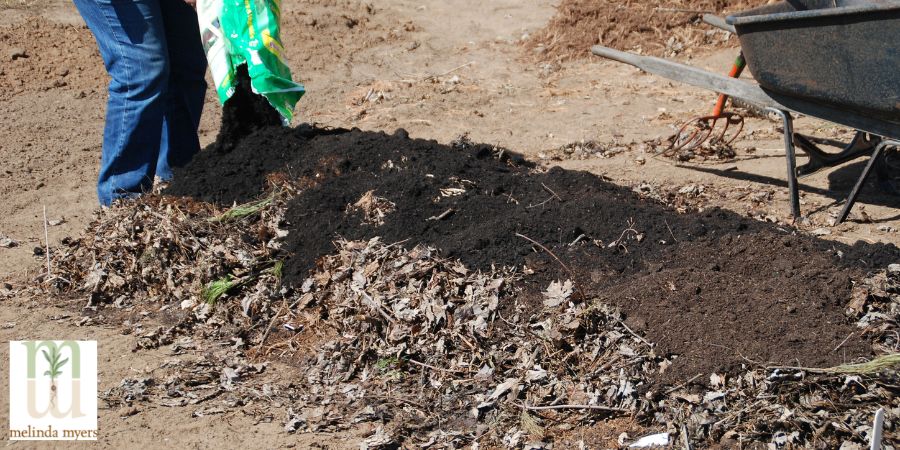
(237, 32)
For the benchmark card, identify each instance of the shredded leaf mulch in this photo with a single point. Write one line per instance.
(657, 27)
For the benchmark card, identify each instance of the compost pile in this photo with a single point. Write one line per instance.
(659, 27)
(458, 294)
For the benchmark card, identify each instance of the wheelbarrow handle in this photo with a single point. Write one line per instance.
(750, 92)
(691, 75)
(718, 22)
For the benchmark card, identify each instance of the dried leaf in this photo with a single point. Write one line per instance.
(504, 387)
(557, 293)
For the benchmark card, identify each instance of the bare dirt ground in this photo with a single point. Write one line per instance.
(436, 69)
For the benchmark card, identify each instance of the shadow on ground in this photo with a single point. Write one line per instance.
(876, 191)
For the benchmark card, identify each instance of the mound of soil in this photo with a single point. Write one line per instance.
(658, 27)
(715, 288)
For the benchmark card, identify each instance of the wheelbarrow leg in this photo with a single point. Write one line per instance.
(862, 144)
(876, 155)
(793, 190)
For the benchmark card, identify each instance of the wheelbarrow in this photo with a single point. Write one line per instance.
(837, 60)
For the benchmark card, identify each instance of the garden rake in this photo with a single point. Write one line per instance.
(697, 131)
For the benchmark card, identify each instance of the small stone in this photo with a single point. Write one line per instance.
(640, 160)
(17, 53)
(128, 412)
(760, 197)
(894, 268)
(56, 222)
(38, 251)
(821, 232)
(8, 243)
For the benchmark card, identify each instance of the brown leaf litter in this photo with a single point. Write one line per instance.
(433, 353)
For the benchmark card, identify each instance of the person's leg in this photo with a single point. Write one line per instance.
(132, 43)
(187, 87)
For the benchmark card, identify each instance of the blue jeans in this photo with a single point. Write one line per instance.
(153, 53)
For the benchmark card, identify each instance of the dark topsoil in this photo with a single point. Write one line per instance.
(715, 288)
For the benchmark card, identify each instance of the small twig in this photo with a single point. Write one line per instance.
(442, 216)
(466, 341)
(578, 239)
(269, 329)
(844, 341)
(431, 77)
(691, 380)
(592, 407)
(682, 10)
(378, 307)
(540, 204)
(397, 244)
(47, 243)
(207, 397)
(636, 335)
(670, 230)
(752, 362)
(564, 266)
(419, 363)
(512, 326)
(541, 246)
(551, 191)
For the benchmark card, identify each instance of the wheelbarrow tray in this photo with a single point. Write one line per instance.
(842, 53)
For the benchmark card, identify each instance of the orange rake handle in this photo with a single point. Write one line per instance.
(736, 71)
